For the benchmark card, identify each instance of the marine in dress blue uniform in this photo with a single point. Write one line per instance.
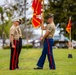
(48, 43)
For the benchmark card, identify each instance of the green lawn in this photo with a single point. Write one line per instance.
(29, 58)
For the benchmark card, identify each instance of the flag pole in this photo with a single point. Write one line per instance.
(70, 44)
(42, 16)
(70, 32)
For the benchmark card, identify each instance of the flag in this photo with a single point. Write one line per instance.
(36, 19)
(68, 28)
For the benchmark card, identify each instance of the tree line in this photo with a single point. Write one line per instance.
(62, 10)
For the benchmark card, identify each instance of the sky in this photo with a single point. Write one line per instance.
(2, 2)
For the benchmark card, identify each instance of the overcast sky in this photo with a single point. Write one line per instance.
(2, 2)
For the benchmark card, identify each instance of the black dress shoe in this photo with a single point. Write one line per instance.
(17, 67)
(38, 68)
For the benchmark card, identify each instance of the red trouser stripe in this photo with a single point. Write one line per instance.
(16, 59)
(49, 54)
(13, 57)
(16, 63)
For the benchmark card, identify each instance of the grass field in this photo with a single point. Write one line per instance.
(29, 58)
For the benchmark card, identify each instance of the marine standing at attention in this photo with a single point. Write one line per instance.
(14, 44)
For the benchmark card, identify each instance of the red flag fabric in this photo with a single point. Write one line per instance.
(34, 4)
(36, 20)
(68, 28)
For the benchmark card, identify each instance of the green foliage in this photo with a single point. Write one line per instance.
(1, 10)
(26, 46)
(6, 47)
(7, 26)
